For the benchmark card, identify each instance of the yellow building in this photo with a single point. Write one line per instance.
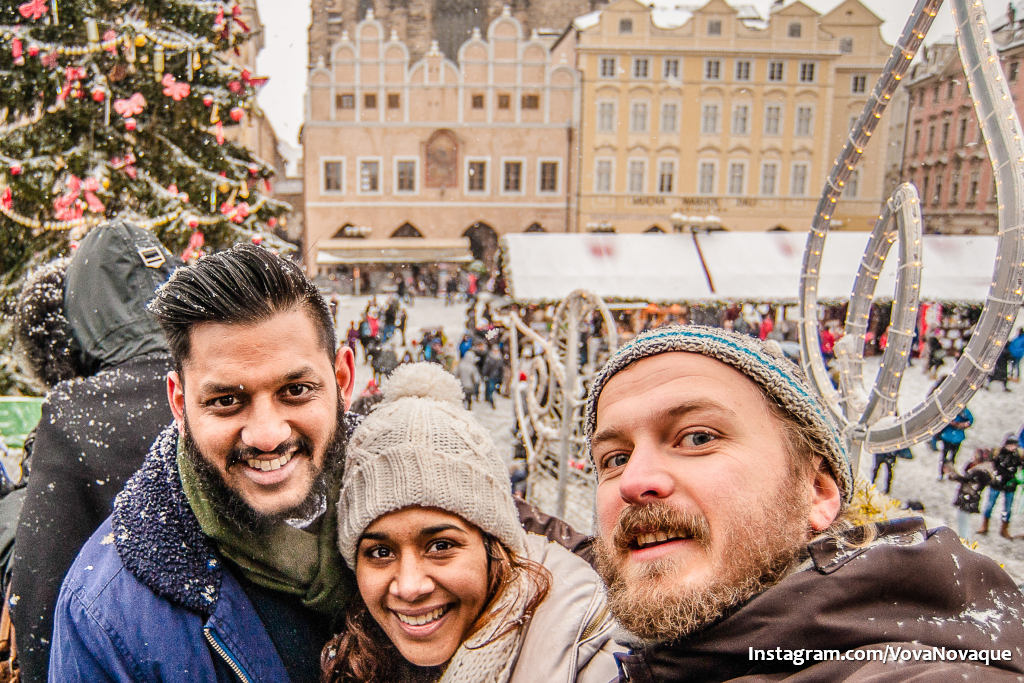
(719, 113)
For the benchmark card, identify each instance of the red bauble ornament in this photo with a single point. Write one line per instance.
(236, 114)
(256, 239)
(130, 124)
(235, 86)
(98, 95)
(16, 169)
(208, 100)
(272, 221)
(193, 223)
(33, 50)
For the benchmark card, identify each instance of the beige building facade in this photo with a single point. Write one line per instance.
(720, 118)
(437, 148)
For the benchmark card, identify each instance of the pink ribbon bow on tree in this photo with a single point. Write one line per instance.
(72, 75)
(68, 206)
(33, 9)
(173, 89)
(130, 106)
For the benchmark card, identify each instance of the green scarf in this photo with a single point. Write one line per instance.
(284, 559)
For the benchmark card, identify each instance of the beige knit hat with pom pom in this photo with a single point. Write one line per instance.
(420, 447)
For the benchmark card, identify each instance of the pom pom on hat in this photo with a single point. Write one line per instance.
(422, 380)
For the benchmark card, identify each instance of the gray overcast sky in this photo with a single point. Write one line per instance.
(284, 55)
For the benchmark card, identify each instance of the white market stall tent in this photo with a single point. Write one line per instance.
(730, 266)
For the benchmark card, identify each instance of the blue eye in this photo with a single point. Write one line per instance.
(615, 460)
(696, 439)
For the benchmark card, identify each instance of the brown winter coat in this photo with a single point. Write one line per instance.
(912, 589)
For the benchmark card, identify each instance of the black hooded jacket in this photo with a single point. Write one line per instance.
(95, 429)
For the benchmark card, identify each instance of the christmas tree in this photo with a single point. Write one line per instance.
(118, 108)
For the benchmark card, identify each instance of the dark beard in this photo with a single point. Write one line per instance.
(229, 505)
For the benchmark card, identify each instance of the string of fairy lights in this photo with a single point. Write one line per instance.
(869, 419)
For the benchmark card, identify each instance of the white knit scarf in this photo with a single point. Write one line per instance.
(480, 661)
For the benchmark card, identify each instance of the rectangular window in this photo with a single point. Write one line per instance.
(935, 94)
(938, 190)
(852, 187)
(394, 100)
(954, 189)
(776, 71)
(950, 89)
(1011, 73)
(709, 119)
(345, 101)
(641, 67)
(512, 178)
(712, 69)
(405, 175)
(741, 119)
(625, 25)
(806, 72)
(669, 117)
(608, 67)
(931, 138)
(476, 176)
(638, 117)
(974, 187)
(769, 177)
(549, 176)
(714, 27)
(477, 101)
(504, 101)
(772, 119)
(945, 135)
(606, 117)
(706, 177)
(859, 83)
(333, 175)
(369, 176)
(635, 180)
(917, 140)
(531, 101)
(737, 177)
(742, 69)
(370, 100)
(666, 176)
(794, 29)
(798, 180)
(924, 189)
(804, 121)
(846, 45)
(603, 176)
(961, 134)
(671, 68)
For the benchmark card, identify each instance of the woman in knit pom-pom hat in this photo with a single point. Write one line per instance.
(452, 588)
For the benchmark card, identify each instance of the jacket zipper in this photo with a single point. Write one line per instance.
(594, 623)
(219, 648)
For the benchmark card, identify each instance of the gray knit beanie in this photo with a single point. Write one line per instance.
(419, 446)
(779, 378)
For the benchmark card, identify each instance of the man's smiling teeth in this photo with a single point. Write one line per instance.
(269, 465)
(422, 618)
(644, 540)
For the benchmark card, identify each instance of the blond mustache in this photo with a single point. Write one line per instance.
(659, 518)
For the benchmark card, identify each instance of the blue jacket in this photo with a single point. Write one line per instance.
(954, 435)
(148, 600)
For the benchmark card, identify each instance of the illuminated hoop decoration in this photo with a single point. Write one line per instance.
(549, 405)
(869, 421)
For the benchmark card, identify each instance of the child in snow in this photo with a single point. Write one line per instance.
(976, 476)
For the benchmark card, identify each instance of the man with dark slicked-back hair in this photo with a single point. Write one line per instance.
(219, 561)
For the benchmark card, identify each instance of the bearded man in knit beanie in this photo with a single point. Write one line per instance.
(722, 508)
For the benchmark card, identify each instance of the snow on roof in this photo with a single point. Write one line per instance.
(742, 265)
(585, 21)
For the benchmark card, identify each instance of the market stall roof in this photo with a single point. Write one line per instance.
(767, 266)
(741, 266)
(393, 250)
(653, 267)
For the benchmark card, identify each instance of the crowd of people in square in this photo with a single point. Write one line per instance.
(225, 514)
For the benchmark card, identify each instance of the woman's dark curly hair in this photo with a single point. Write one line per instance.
(362, 651)
(41, 330)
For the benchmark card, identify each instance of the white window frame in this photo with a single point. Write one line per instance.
(600, 66)
(522, 177)
(779, 126)
(614, 119)
(643, 175)
(646, 62)
(797, 121)
(861, 80)
(704, 107)
(812, 67)
(774, 190)
(747, 71)
(851, 188)
(558, 175)
(359, 175)
(806, 166)
(323, 175)
(733, 129)
(675, 176)
(729, 189)
(782, 71)
(701, 163)
(633, 104)
(718, 69)
(677, 61)
(611, 175)
(675, 119)
(487, 175)
(415, 174)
